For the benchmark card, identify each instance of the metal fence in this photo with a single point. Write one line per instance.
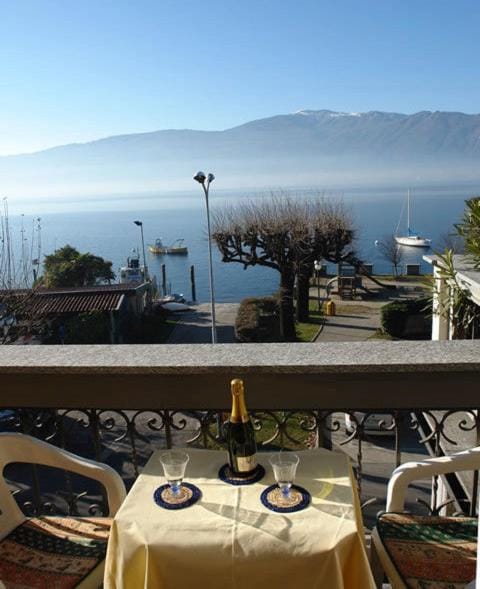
(376, 443)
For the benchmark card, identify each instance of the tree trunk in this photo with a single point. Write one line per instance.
(286, 309)
(303, 293)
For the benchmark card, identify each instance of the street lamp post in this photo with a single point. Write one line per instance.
(205, 181)
(145, 269)
(318, 268)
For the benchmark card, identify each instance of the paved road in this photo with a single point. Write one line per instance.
(194, 326)
(350, 325)
(358, 319)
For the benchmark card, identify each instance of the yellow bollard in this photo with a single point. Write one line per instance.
(331, 308)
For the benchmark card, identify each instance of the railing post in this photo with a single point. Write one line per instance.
(97, 448)
(167, 420)
(398, 420)
(192, 282)
(63, 444)
(27, 426)
(324, 432)
(164, 280)
(474, 506)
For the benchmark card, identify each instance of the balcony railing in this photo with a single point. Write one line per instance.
(119, 403)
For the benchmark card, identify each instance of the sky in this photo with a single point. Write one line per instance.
(75, 71)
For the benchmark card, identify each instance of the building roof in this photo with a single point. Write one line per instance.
(467, 274)
(50, 304)
(130, 287)
(83, 299)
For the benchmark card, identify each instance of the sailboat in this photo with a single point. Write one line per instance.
(412, 238)
(18, 267)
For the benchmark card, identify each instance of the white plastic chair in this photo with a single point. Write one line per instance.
(397, 487)
(25, 449)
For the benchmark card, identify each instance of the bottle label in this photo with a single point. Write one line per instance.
(246, 463)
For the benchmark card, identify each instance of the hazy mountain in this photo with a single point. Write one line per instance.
(321, 148)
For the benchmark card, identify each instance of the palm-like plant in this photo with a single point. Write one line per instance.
(469, 230)
(455, 302)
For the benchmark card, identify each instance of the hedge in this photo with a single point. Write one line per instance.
(92, 327)
(257, 320)
(408, 319)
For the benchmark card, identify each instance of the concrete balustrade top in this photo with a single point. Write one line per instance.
(364, 375)
(288, 358)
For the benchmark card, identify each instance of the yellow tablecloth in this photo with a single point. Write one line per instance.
(230, 540)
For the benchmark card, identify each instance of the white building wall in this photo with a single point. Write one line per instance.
(440, 321)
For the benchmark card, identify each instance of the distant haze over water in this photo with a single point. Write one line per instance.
(112, 234)
(316, 147)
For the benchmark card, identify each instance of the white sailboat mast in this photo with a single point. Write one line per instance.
(408, 211)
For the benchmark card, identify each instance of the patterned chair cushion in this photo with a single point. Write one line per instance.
(53, 552)
(430, 552)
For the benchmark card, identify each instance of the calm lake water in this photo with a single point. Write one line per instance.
(112, 235)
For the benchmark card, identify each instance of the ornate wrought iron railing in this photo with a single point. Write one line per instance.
(382, 404)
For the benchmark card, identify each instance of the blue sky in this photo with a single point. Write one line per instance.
(74, 71)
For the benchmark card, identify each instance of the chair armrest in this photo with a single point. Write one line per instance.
(23, 448)
(411, 471)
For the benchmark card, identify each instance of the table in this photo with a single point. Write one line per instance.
(229, 539)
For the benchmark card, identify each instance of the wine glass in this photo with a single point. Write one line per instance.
(174, 464)
(284, 466)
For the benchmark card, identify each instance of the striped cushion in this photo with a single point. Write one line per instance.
(53, 552)
(430, 552)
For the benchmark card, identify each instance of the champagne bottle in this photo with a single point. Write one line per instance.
(240, 435)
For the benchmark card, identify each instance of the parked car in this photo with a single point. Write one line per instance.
(372, 423)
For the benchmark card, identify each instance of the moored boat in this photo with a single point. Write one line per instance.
(177, 247)
(412, 239)
(133, 271)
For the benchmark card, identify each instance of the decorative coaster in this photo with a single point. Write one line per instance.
(225, 474)
(275, 500)
(188, 495)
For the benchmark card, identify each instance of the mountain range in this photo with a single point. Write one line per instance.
(320, 148)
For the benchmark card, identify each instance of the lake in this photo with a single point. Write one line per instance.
(112, 234)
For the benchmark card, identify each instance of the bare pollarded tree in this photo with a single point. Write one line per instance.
(329, 236)
(262, 233)
(286, 234)
(391, 252)
(451, 241)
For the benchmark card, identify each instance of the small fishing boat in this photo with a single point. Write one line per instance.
(171, 298)
(173, 303)
(175, 307)
(177, 247)
(412, 238)
(133, 271)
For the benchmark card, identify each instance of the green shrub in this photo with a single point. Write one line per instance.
(88, 328)
(150, 328)
(408, 319)
(257, 320)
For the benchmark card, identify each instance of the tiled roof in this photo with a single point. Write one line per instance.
(47, 304)
(101, 288)
(71, 300)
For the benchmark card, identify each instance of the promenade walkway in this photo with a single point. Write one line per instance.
(359, 319)
(352, 323)
(194, 327)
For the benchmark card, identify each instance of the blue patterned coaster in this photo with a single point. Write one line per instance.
(226, 476)
(188, 495)
(275, 500)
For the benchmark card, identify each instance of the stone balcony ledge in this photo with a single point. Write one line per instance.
(286, 358)
(369, 375)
